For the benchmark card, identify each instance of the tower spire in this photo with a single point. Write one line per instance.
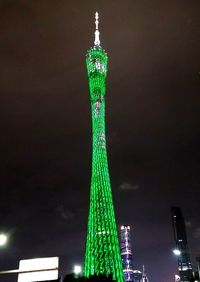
(97, 33)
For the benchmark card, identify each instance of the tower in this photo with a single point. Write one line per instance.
(126, 252)
(102, 246)
(180, 237)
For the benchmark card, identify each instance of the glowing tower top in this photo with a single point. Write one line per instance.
(97, 33)
(102, 247)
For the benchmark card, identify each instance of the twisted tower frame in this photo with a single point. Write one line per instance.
(102, 246)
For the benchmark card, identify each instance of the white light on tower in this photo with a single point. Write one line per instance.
(177, 252)
(3, 239)
(77, 269)
(177, 278)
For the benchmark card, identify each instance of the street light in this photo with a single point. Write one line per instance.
(3, 239)
(77, 270)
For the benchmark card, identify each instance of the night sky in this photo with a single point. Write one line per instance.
(152, 120)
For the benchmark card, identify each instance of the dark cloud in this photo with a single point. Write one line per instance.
(196, 233)
(65, 214)
(188, 223)
(125, 186)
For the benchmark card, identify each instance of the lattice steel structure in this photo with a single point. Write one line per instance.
(102, 246)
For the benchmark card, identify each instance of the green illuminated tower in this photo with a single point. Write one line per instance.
(102, 246)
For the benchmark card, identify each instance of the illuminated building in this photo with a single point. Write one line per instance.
(137, 276)
(184, 263)
(126, 252)
(144, 275)
(102, 246)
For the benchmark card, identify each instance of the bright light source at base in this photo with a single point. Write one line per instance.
(3, 239)
(77, 269)
(38, 269)
(177, 252)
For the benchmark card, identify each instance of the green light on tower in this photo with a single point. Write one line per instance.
(102, 246)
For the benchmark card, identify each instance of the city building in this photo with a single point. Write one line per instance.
(102, 246)
(126, 252)
(144, 275)
(180, 237)
(198, 265)
(137, 276)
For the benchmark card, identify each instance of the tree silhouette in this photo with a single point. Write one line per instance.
(93, 278)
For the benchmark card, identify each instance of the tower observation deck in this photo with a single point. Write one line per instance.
(102, 246)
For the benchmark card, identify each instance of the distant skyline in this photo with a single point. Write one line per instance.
(152, 117)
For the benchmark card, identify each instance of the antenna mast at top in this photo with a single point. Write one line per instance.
(97, 33)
